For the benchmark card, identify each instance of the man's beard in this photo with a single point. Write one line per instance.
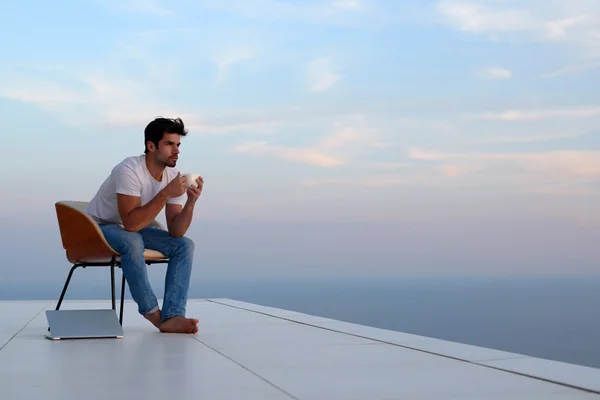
(169, 163)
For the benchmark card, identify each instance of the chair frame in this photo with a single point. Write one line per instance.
(86, 246)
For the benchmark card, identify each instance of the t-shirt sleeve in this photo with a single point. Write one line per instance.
(178, 200)
(127, 181)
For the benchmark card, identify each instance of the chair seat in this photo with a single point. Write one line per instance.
(150, 255)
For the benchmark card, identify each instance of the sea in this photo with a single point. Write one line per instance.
(551, 317)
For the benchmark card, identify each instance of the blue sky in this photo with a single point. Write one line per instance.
(455, 115)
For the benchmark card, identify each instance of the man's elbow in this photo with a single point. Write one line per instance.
(175, 234)
(175, 230)
(128, 226)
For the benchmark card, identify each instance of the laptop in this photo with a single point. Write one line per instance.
(83, 324)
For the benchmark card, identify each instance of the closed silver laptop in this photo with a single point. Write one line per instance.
(83, 324)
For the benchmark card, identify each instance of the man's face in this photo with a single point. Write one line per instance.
(168, 149)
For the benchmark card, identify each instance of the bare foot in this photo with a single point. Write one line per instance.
(178, 324)
(195, 322)
(154, 318)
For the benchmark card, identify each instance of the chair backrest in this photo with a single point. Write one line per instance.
(78, 205)
(81, 205)
(81, 236)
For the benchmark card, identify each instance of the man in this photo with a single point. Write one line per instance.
(129, 200)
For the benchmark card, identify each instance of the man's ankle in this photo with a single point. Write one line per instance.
(154, 317)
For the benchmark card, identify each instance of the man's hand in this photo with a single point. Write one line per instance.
(179, 218)
(194, 192)
(176, 187)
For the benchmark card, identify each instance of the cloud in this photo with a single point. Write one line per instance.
(237, 124)
(272, 120)
(307, 156)
(127, 86)
(562, 163)
(539, 114)
(321, 75)
(495, 73)
(455, 170)
(45, 94)
(346, 13)
(91, 100)
(530, 138)
(345, 135)
(573, 69)
(574, 24)
(151, 7)
(390, 165)
(564, 172)
(558, 29)
(478, 17)
(348, 139)
(378, 181)
(410, 176)
(571, 188)
(547, 20)
(119, 88)
(349, 4)
(226, 57)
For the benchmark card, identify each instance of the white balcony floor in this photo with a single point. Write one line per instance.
(247, 351)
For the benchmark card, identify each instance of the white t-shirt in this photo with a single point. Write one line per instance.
(130, 177)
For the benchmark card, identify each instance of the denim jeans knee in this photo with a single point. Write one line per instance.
(185, 244)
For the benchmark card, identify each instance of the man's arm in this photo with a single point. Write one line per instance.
(136, 217)
(133, 214)
(179, 218)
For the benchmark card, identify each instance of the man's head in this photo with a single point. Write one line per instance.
(162, 139)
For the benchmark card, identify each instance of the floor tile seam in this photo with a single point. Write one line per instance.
(24, 326)
(246, 369)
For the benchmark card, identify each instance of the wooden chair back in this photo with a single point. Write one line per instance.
(80, 234)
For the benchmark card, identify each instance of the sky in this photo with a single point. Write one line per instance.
(335, 138)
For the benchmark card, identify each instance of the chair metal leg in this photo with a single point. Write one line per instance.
(62, 295)
(113, 264)
(122, 300)
(112, 283)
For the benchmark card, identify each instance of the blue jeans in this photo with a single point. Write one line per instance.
(179, 250)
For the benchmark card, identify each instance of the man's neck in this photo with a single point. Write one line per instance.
(155, 169)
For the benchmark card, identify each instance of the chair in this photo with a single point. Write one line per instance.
(86, 246)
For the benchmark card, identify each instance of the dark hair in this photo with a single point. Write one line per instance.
(156, 129)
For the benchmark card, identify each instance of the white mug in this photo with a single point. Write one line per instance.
(191, 178)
